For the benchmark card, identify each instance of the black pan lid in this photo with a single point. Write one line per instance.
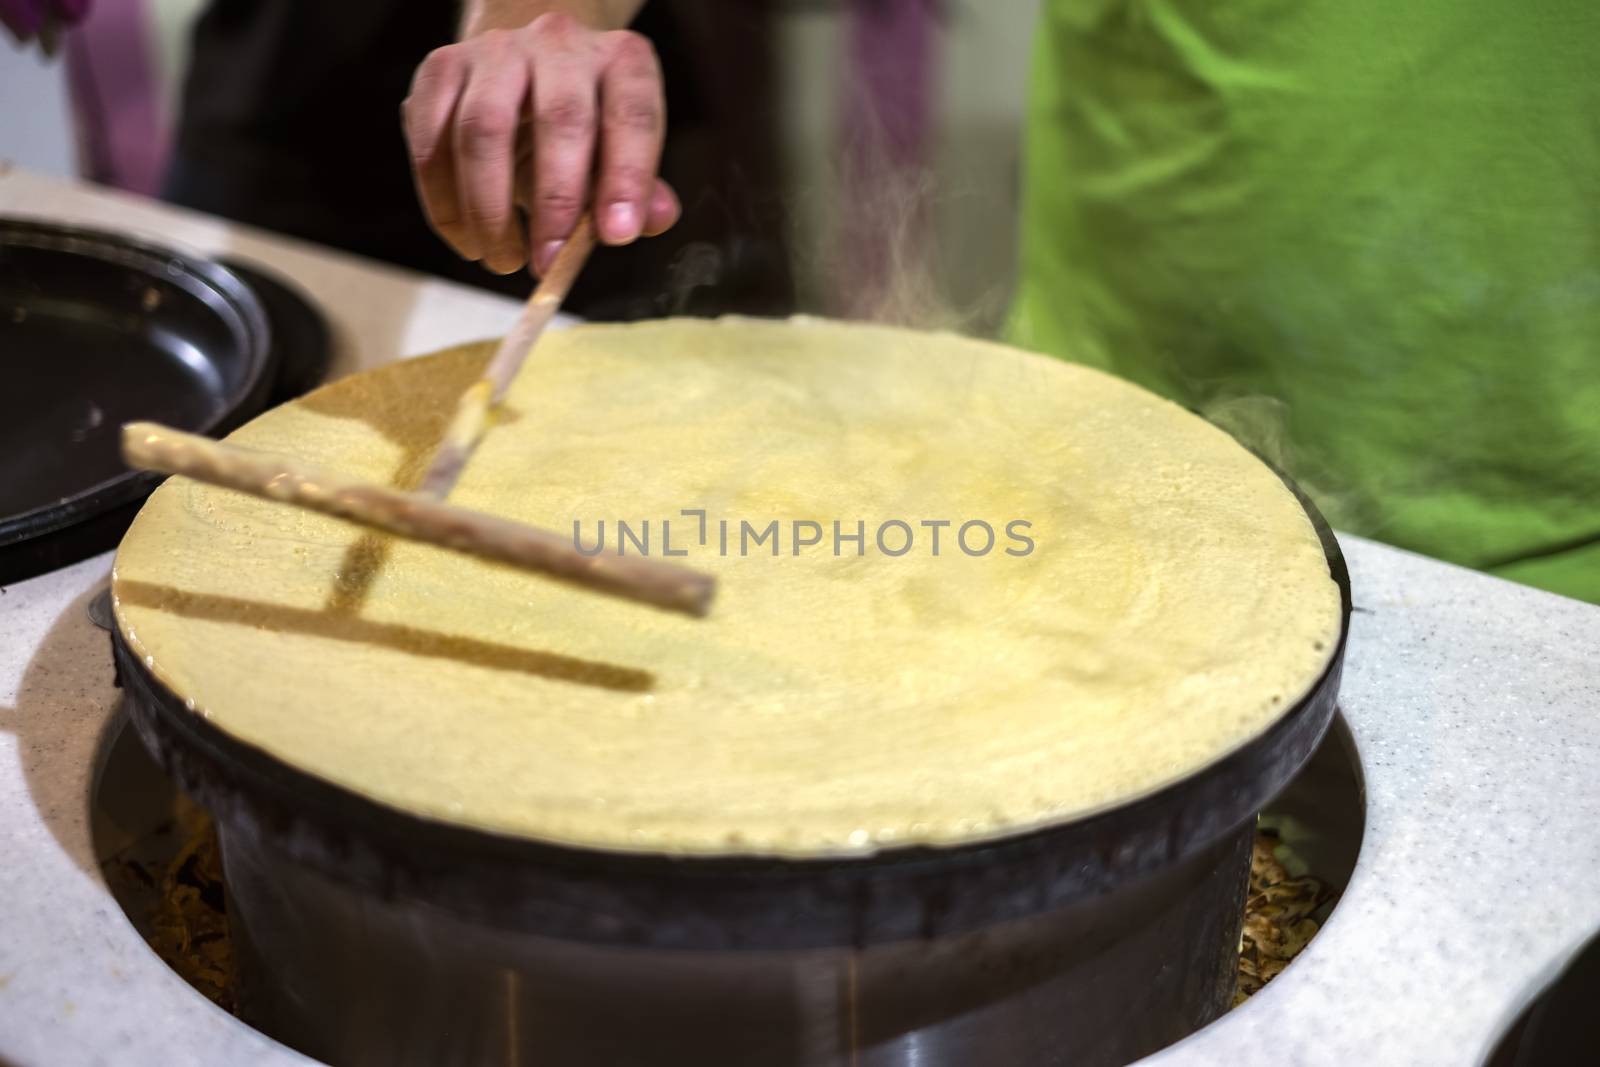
(97, 329)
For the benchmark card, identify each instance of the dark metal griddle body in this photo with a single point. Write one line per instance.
(364, 934)
(97, 329)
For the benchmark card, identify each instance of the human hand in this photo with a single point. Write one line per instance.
(537, 117)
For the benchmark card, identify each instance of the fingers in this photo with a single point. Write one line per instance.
(663, 211)
(564, 109)
(426, 115)
(487, 118)
(593, 105)
(633, 121)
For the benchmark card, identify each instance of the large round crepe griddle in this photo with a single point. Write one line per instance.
(1089, 942)
(97, 329)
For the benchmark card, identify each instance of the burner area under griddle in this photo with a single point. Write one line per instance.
(160, 855)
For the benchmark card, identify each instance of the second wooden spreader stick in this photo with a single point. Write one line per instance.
(149, 446)
(477, 402)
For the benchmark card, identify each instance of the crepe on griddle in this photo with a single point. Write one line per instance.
(1173, 600)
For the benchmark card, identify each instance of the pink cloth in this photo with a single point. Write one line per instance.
(123, 132)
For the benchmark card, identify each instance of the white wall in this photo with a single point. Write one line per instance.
(984, 77)
(982, 70)
(35, 122)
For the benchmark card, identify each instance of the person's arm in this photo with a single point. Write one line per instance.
(555, 84)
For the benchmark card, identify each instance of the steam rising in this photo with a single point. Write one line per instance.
(883, 177)
(1261, 423)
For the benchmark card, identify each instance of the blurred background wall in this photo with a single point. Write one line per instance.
(36, 122)
(959, 204)
(979, 77)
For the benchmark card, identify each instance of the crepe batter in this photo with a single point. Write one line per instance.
(1174, 603)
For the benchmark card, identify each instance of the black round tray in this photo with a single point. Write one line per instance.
(301, 346)
(1560, 1024)
(97, 329)
(734, 902)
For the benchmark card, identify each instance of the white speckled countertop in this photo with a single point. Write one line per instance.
(1475, 705)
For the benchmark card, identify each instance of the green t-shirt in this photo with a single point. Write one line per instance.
(1363, 234)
